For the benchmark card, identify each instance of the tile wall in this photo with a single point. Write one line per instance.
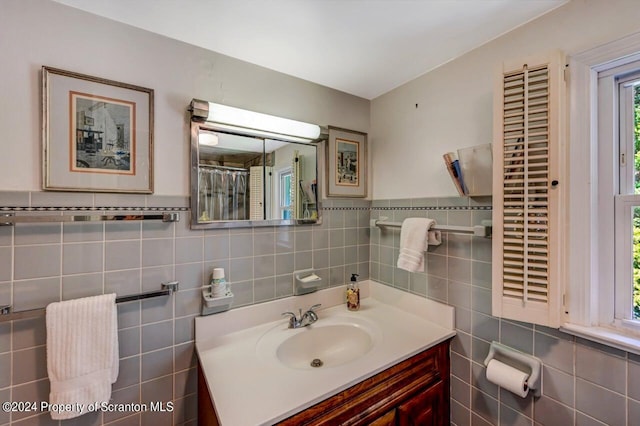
(584, 383)
(42, 263)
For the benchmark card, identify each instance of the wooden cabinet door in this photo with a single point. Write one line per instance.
(424, 409)
(388, 419)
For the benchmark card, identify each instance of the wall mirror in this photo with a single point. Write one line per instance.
(251, 173)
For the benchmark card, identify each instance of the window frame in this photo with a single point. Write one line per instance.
(625, 198)
(282, 173)
(589, 305)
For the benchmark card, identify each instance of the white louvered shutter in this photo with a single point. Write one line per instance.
(256, 194)
(528, 128)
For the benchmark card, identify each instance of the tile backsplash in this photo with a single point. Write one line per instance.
(42, 263)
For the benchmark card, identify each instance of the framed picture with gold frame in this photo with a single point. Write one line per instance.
(97, 134)
(346, 163)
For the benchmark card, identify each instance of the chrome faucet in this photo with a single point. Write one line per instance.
(302, 320)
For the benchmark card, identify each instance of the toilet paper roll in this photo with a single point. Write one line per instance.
(508, 377)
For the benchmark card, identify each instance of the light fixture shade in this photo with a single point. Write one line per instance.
(208, 138)
(252, 123)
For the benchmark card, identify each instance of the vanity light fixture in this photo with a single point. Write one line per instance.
(237, 120)
(208, 138)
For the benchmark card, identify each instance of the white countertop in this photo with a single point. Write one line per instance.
(249, 388)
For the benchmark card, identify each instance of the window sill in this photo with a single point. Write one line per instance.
(605, 336)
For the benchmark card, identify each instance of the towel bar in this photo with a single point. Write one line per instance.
(483, 230)
(8, 219)
(167, 288)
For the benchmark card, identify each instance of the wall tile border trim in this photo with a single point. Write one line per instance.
(410, 208)
(87, 209)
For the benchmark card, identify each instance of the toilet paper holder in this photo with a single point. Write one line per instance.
(518, 360)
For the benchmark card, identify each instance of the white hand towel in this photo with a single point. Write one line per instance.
(413, 243)
(434, 238)
(82, 352)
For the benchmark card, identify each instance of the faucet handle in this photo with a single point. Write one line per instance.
(316, 306)
(291, 314)
(293, 319)
(311, 314)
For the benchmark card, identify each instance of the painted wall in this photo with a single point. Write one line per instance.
(34, 33)
(454, 102)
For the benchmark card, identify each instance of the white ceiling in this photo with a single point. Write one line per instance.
(362, 47)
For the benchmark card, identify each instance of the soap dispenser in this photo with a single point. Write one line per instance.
(353, 294)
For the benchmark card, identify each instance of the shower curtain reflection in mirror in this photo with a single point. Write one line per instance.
(223, 193)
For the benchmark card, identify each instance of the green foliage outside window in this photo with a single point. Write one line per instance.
(636, 210)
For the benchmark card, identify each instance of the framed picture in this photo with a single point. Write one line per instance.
(346, 163)
(97, 134)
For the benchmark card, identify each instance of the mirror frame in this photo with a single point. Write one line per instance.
(196, 125)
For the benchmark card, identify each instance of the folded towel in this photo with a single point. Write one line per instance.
(82, 352)
(413, 243)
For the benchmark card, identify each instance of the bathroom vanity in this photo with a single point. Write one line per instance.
(386, 364)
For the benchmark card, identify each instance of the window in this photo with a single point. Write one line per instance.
(602, 281)
(627, 199)
(284, 190)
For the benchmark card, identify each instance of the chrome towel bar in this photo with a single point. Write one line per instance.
(483, 230)
(167, 289)
(8, 219)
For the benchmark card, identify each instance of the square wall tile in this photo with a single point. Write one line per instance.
(241, 245)
(28, 333)
(36, 261)
(37, 233)
(611, 372)
(81, 232)
(189, 250)
(549, 412)
(6, 263)
(129, 230)
(82, 258)
(557, 353)
(241, 269)
(29, 365)
(122, 255)
(152, 278)
(32, 391)
(122, 282)
(83, 285)
(187, 302)
(157, 252)
(558, 385)
(600, 403)
(129, 373)
(191, 275)
(157, 309)
(34, 294)
(153, 229)
(485, 327)
(129, 342)
(157, 364)
(216, 247)
(633, 377)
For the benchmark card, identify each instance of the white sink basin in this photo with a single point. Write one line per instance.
(327, 343)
